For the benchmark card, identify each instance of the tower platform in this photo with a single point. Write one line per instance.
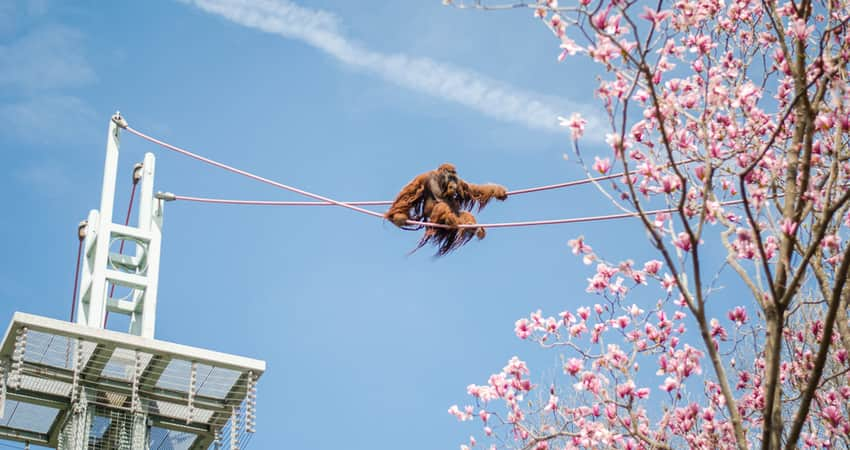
(72, 386)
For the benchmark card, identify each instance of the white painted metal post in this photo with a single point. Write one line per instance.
(92, 224)
(154, 252)
(139, 273)
(150, 220)
(97, 298)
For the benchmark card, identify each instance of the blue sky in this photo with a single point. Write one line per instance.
(366, 347)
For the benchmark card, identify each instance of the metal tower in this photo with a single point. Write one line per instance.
(76, 386)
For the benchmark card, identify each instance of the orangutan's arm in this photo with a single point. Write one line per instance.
(483, 193)
(410, 197)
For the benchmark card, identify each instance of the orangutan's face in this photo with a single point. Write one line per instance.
(448, 182)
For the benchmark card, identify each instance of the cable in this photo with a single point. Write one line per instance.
(380, 202)
(250, 175)
(377, 214)
(479, 225)
(567, 184)
(137, 175)
(273, 202)
(582, 219)
(81, 234)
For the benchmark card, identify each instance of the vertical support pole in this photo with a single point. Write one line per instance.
(75, 431)
(250, 402)
(85, 422)
(2, 388)
(75, 380)
(18, 355)
(135, 401)
(146, 199)
(150, 219)
(217, 438)
(97, 297)
(234, 428)
(83, 301)
(141, 432)
(193, 381)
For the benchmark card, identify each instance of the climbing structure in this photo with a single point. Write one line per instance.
(81, 386)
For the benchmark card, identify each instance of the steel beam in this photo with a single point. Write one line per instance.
(97, 361)
(15, 434)
(109, 337)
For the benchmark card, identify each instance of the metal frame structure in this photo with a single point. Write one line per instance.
(102, 268)
(76, 386)
(61, 377)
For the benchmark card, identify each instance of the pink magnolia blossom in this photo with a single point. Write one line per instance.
(668, 282)
(460, 415)
(552, 404)
(522, 328)
(683, 241)
(655, 17)
(833, 415)
(652, 267)
(788, 226)
(575, 123)
(602, 165)
(573, 366)
(738, 315)
(800, 30)
(570, 48)
(670, 384)
(831, 242)
(729, 119)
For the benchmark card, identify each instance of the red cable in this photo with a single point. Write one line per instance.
(121, 247)
(76, 278)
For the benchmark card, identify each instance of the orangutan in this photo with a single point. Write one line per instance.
(441, 197)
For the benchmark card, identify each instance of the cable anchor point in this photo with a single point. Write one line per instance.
(137, 172)
(119, 120)
(81, 229)
(167, 196)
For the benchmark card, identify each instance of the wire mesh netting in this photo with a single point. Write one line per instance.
(72, 392)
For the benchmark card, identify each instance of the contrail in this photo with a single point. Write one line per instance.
(478, 92)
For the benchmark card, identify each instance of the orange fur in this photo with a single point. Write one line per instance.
(439, 196)
(483, 193)
(466, 218)
(408, 200)
(443, 214)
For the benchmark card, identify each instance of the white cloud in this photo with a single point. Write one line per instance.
(476, 91)
(36, 72)
(46, 119)
(47, 177)
(49, 57)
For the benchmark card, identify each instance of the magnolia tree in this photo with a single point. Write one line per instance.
(729, 120)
